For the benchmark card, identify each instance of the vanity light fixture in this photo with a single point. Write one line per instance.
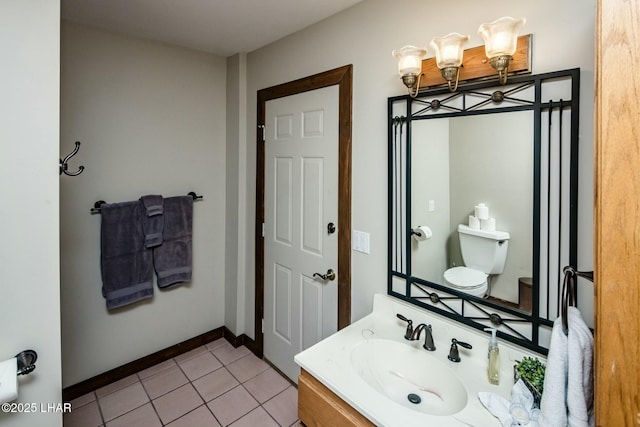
(500, 40)
(502, 47)
(449, 50)
(410, 67)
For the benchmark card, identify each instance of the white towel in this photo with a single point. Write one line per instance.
(497, 405)
(553, 404)
(580, 375)
(501, 407)
(568, 382)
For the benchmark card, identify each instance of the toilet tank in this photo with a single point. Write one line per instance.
(483, 250)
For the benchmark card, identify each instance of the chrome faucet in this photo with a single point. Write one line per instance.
(428, 338)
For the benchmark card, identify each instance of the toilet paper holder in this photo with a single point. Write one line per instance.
(26, 361)
(421, 232)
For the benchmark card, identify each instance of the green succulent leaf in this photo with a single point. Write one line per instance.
(532, 370)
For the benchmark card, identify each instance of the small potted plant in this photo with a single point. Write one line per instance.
(531, 371)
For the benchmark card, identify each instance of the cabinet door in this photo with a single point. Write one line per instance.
(320, 407)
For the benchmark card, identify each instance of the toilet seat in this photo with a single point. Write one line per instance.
(465, 278)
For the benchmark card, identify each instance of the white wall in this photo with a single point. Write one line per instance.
(236, 198)
(151, 119)
(29, 272)
(365, 35)
(430, 181)
(483, 158)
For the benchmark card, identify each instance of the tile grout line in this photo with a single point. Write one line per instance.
(240, 384)
(196, 389)
(273, 397)
(139, 380)
(261, 404)
(233, 421)
(190, 382)
(104, 421)
(149, 397)
(271, 416)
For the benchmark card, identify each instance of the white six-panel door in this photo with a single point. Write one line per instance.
(301, 200)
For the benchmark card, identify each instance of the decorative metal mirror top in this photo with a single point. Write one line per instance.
(511, 150)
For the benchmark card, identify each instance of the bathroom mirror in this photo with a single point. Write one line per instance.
(512, 148)
(451, 173)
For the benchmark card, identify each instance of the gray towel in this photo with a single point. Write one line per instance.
(152, 220)
(172, 259)
(127, 272)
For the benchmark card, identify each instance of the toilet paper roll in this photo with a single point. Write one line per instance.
(488, 224)
(8, 380)
(482, 211)
(474, 222)
(422, 232)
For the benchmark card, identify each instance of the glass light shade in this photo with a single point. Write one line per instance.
(409, 59)
(501, 36)
(449, 49)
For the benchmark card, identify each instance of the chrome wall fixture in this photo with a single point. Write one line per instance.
(500, 38)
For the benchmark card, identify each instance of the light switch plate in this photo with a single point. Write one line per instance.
(360, 241)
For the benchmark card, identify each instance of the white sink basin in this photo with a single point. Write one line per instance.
(409, 376)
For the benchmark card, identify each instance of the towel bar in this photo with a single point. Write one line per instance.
(96, 206)
(195, 196)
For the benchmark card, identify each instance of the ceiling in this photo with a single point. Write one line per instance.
(220, 27)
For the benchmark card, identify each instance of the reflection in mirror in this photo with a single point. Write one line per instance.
(457, 163)
(513, 149)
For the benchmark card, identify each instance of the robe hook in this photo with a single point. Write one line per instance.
(64, 166)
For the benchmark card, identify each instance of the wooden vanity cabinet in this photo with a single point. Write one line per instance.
(320, 407)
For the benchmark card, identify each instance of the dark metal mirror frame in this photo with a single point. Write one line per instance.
(521, 93)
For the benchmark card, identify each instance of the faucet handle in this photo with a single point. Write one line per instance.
(454, 355)
(409, 331)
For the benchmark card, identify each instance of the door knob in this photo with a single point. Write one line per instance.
(331, 228)
(331, 275)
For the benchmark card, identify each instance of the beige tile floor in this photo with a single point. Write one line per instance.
(214, 385)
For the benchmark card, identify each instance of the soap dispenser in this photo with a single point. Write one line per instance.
(493, 368)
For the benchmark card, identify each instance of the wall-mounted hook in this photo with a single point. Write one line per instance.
(64, 166)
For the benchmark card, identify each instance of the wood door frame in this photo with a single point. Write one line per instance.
(617, 214)
(343, 77)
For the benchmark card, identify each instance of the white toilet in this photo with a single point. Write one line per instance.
(483, 252)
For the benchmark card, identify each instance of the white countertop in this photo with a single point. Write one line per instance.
(329, 361)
